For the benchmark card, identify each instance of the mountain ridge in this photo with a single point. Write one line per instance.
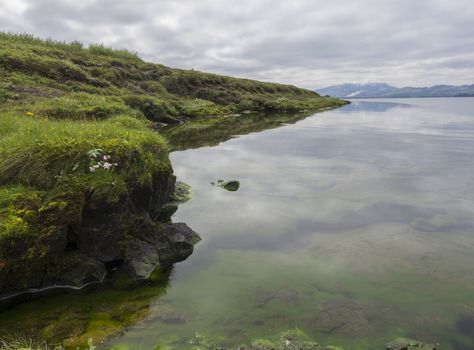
(383, 90)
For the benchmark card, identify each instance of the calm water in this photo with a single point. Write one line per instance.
(355, 226)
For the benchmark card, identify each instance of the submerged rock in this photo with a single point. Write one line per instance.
(408, 344)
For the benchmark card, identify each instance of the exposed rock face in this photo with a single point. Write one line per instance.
(173, 244)
(80, 250)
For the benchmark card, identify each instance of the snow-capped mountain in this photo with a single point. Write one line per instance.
(381, 90)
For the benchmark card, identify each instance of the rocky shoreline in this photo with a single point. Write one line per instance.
(122, 236)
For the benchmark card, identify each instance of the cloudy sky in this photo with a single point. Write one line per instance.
(310, 43)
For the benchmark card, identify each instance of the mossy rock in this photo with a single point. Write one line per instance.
(231, 186)
(408, 344)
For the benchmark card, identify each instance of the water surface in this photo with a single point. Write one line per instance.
(355, 226)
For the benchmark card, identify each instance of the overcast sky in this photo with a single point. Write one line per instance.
(310, 43)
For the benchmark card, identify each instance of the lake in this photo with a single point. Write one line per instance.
(353, 226)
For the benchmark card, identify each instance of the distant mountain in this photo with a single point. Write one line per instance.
(382, 90)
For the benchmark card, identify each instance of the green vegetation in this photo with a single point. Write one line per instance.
(15, 343)
(51, 73)
(75, 123)
(201, 132)
(50, 170)
(73, 321)
(76, 132)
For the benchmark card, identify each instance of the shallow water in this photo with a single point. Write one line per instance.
(355, 226)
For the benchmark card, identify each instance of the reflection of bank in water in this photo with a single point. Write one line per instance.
(72, 319)
(203, 132)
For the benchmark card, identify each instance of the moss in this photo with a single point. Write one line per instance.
(201, 108)
(75, 319)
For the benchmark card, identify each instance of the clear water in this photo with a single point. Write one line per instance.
(355, 226)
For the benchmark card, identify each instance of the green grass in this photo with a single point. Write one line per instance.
(50, 170)
(74, 46)
(42, 153)
(44, 69)
(18, 343)
(76, 127)
(64, 107)
(75, 121)
(68, 156)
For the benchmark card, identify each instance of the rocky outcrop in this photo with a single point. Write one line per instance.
(77, 248)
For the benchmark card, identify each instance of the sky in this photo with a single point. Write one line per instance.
(309, 43)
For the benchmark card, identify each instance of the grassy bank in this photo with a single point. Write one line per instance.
(77, 134)
(76, 120)
(44, 163)
(67, 80)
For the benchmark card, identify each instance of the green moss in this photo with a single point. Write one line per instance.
(75, 319)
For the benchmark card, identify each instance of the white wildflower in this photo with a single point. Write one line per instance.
(107, 165)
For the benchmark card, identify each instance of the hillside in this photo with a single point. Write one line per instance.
(84, 176)
(382, 90)
(60, 80)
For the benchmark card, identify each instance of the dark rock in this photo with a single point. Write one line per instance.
(76, 270)
(177, 243)
(145, 254)
(79, 250)
(167, 211)
(163, 189)
(232, 186)
(141, 259)
(181, 194)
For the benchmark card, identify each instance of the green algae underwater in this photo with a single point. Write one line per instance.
(351, 227)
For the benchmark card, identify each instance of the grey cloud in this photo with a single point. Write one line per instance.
(310, 43)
